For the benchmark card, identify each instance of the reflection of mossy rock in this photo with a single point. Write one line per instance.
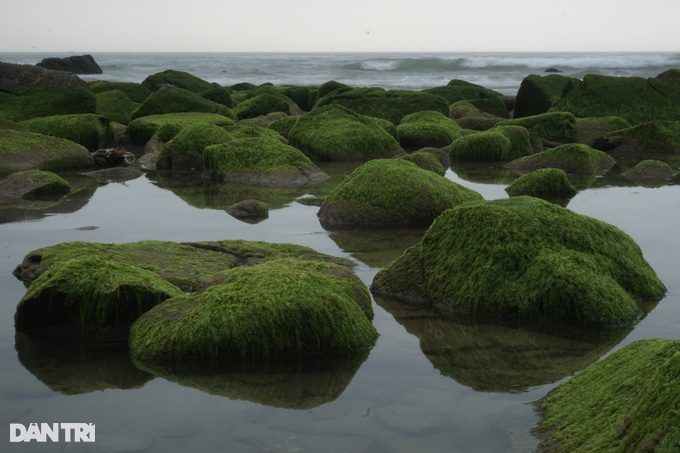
(334, 133)
(556, 127)
(524, 257)
(509, 356)
(135, 91)
(391, 105)
(29, 91)
(427, 129)
(391, 193)
(650, 139)
(377, 248)
(249, 210)
(185, 150)
(21, 186)
(77, 64)
(278, 307)
(90, 296)
(572, 158)
(634, 98)
(546, 183)
(142, 129)
(651, 173)
(179, 79)
(498, 143)
(291, 382)
(537, 93)
(426, 160)
(27, 150)
(115, 105)
(171, 99)
(482, 98)
(627, 402)
(90, 130)
(262, 105)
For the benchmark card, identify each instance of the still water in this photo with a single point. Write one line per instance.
(434, 385)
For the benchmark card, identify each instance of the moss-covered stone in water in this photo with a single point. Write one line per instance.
(170, 99)
(427, 128)
(590, 129)
(284, 125)
(650, 139)
(524, 257)
(102, 300)
(556, 127)
(627, 402)
(425, 160)
(179, 79)
(31, 184)
(90, 130)
(496, 144)
(279, 307)
(391, 193)
(185, 150)
(650, 173)
(334, 133)
(135, 91)
(573, 158)
(142, 129)
(482, 98)
(546, 183)
(537, 93)
(262, 105)
(115, 105)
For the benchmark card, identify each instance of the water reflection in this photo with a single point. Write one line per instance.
(502, 356)
(377, 248)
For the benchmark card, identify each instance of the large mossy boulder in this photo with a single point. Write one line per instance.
(575, 158)
(427, 129)
(77, 64)
(496, 144)
(279, 307)
(552, 127)
(185, 150)
(21, 150)
(335, 133)
(650, 173)
(89, 130)
(650, 139)
(537, 93)
(527, 258)
(19, 188)
(167, 126)
(481, 98)
(627, 402)
(391, 105)
(262, 104)
(115, 105)
(179, 79)
(633, 98)
(135, 91)
(29, 91)
(171, 99)
(385, 193)
(546, 183)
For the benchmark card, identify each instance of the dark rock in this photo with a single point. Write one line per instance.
(77, 64)
(249, 210)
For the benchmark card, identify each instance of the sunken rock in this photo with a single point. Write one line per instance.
(77, 64)
(546, 183)
(650, 173)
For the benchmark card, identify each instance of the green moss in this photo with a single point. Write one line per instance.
(219, 95)
(425, 160)
(115, 105)
(179, 79)
(25, 102)
(559, 127)
(31, 184)
(482, 98)
(427, 128)
(496, 144)
(460, 109)
(278, 307)
(170, 99)
(391, 193)
(524, 257)
(546, 183)
(90, 130)
(185, 150)
(262, 105)
(650, 139)
(572, 158)
(135, 91)
(334, 133)
(650, 173)
(627, 402)
(142, 129)
(537, 93)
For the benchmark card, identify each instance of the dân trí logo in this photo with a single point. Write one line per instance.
(54, 432)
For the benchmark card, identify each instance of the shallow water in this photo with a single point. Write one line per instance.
(436, 385)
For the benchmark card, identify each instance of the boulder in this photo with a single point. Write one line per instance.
(496, 144)
(546, 183)
(427, 129)
(551, 127)
(262, 105)
(166, 127)
(29, 91)
(21, 186)
(384, 193)
(249, 210)
(588, 130)
(135, 91)
(179, 79)
(574, 158)
(115, 105)
(87, 129)
(646, 140)
(185, 150)
(427, 160)
(626, 402)
(650, 173)
(335, 133)
(220, 95)
(77, 64)
(537, 94)
(287, 306)
(525, 258)
(482, 98)
(171, 99)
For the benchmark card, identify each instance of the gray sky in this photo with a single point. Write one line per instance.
(347, 25)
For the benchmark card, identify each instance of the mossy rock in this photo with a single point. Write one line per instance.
(219, 95)
(633, 98)
(77, 64)
(185, 150)
(427, 129)
(626, 402)
(284, 125)
(391, 105)
(303, 96)
(574, 158)
(646, 140)
(30, 151)
(279, 307)
(262, 105)
(251, 211)
(482, 98)
(496, 144)
(28, 91)
(426, 160)
(115, 105)
(135, 91)
(537, 93)
(335, 133)
(260, 161)
(588, 130)
(650, 173)
(89, 130)
(142, 129)
(462, 109)
(266, 120)
(525, 258)
(385, 193)
(556, 127)
(180, 79)
(478, 123)
(546, 183)
(18, 187)
(171, 99)
(329, 87)
(90, 296)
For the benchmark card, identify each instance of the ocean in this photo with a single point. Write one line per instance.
(502, 72)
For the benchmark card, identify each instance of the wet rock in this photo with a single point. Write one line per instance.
(546, 183)
(650, 173)
(77, 64)
(249, 210)
(572, 158)
(496, 144)
(90, 130)
(537, 94)
(179, 79)
(427, 129)
(19, 187)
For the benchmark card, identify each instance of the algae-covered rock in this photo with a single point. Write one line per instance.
(171, 99)
(77, 64)
(334, 133)
(553, 127)
(21, 150)
(627, 402)
(262, 105)
(142, 129)
(278, 307)
(135, 91)
(391, 193)
(573, 158)
(482, 98)
(546, 183)
(426, 160)
(21, 186)
(427, 129)
(185, 150)
(179, 79)
(592, 128)
(650, 139)
(527, 258)
(650, 173)
(115, 105)
(249, 210)
(90, 130)
(498, 143)
(537, 93)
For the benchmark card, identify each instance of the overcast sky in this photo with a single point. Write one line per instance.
(347, 25)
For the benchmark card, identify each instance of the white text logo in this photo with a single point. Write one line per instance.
(54, 432)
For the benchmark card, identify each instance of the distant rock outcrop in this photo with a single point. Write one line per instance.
(77, 64)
